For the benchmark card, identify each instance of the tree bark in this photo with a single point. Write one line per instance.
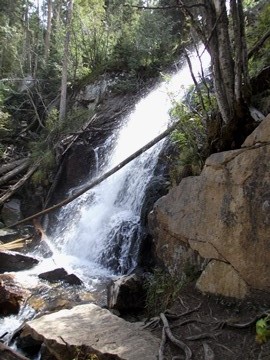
(14, 172)
(7, 167)
(12, 189)
(48, 30)
(63, 98)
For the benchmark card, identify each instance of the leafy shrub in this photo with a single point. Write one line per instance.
(255, 31)
(161, 291)
(191, 133)
(5, 124)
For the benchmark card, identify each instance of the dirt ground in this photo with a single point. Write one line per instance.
(222, 328)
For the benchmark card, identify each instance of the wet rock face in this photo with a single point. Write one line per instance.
(7, 235)
(222, 215)
(8, 354)
(11, 212)
(92, 330)
(13, 261)
(11, 296)
(60, 275)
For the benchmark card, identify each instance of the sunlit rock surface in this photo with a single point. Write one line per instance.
(104, 334)
(223, 214)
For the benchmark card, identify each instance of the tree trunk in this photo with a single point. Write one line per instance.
(221, 56)
(48, 30)
(227, 48)
(63, 98)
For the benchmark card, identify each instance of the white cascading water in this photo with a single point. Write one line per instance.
(105, 220)
(97, 232)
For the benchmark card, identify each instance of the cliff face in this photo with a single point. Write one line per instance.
(221, 218)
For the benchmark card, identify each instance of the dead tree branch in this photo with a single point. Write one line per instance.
(258, 44)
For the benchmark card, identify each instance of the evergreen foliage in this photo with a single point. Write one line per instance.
(134, 37)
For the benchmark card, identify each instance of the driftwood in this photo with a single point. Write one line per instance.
(98, 180)
(13, 188)
(11, 165)
(14, 172)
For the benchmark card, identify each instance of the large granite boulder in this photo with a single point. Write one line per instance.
(221, 215)
(89, 327)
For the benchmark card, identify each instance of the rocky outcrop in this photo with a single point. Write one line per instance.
(11, 296)
(127, 293)
(105, 335)
(222, 216)
(13, 261)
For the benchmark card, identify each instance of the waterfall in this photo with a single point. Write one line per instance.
(101, 229)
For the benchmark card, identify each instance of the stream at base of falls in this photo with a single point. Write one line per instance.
(98, 236)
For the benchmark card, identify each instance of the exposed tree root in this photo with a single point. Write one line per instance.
(162, 345)
(177, 316)
(177, 342)
(208, 352)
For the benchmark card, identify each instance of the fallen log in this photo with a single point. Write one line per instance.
(14, 172)
(101, 178)
(12, 189)
(11, 165)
